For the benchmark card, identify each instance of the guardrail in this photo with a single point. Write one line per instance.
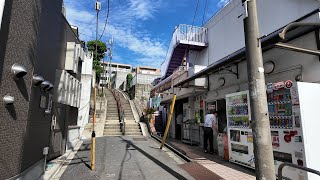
(297, 167)
(117, 95)
(184, 32)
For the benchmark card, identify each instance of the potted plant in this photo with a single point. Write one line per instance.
(149, 112)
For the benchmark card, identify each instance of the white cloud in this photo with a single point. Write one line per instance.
(222, 3)
(126, 26)
(75, 15)
(143, 9)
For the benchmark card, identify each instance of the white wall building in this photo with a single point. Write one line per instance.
(86, 81)
(216, 62)
(117, 74)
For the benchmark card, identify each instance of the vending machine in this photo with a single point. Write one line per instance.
(294, 122)
(239, 131)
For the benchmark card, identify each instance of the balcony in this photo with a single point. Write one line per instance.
(185, 37)
(182, 73)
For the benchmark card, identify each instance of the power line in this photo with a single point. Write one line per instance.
(106, 22)
(195, 13)
(204, 12)
(90, 36)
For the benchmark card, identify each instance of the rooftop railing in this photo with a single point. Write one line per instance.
(186, 34)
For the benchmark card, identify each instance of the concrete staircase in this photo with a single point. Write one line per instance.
(112, 125)
(131, 126)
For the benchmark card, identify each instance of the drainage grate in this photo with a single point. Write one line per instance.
(139, 139)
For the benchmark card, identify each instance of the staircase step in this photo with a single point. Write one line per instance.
(133, 130)
(133, 133)
(112, 124)
(112, 130)
(116, 128)
(133, 127)
(112, 133)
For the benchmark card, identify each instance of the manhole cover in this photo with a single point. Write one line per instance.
(139, 139)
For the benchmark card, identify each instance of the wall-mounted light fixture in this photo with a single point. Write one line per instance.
(18, 71)
(221, 81)
(44, 85)
(8, 100)
(47, 112)
(37, 80)
(268, 67)
(49, 88)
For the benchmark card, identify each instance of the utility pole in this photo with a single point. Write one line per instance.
(110, 56)
(93, 135)
(263, 153)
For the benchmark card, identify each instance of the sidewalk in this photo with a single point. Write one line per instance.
(124, 157)
(215, 164)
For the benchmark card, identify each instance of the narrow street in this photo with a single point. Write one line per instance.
(125, 157)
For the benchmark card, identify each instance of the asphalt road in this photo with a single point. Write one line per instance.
(125, 158)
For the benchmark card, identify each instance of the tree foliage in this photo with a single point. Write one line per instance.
(101, 50)
(129, 79)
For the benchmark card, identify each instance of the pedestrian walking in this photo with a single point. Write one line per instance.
(210, 124)
(179, 124)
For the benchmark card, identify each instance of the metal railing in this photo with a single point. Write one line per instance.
(190, 33)
(297, 167)
(179, 71)
(117, 95)
(183, 32)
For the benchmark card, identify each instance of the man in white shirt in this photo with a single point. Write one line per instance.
(210, 123)
(179, 123)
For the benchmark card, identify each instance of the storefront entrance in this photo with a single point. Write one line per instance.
(179, 117)
(220, 106)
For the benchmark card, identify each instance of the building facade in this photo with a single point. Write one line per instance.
(216, 61)
(86, 86)
(115, 74)
(142, 83)
(32, 116)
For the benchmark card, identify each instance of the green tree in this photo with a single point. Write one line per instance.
(129, 79)
(102, 49)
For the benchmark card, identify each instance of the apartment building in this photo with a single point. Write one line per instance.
(115, 74)
(39, 85)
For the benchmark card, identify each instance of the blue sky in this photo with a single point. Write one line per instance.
(141, 29)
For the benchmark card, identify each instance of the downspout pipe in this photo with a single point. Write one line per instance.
(282, 35)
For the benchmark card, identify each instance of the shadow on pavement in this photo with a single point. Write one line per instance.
(156, 161)
(82, 161)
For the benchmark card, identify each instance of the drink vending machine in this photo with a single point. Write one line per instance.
(294, 122)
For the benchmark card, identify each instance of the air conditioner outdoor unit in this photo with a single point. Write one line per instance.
(61, 87)
(79, 52)
(71, 60)
(82, 54)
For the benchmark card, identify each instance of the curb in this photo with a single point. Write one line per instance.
(173, 149)
(52, 172)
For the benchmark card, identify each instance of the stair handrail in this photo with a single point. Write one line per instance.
(281, 166)
(120, 110)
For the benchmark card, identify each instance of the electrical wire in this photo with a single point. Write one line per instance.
(106, 22)
(205, 11)
(195, 13)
